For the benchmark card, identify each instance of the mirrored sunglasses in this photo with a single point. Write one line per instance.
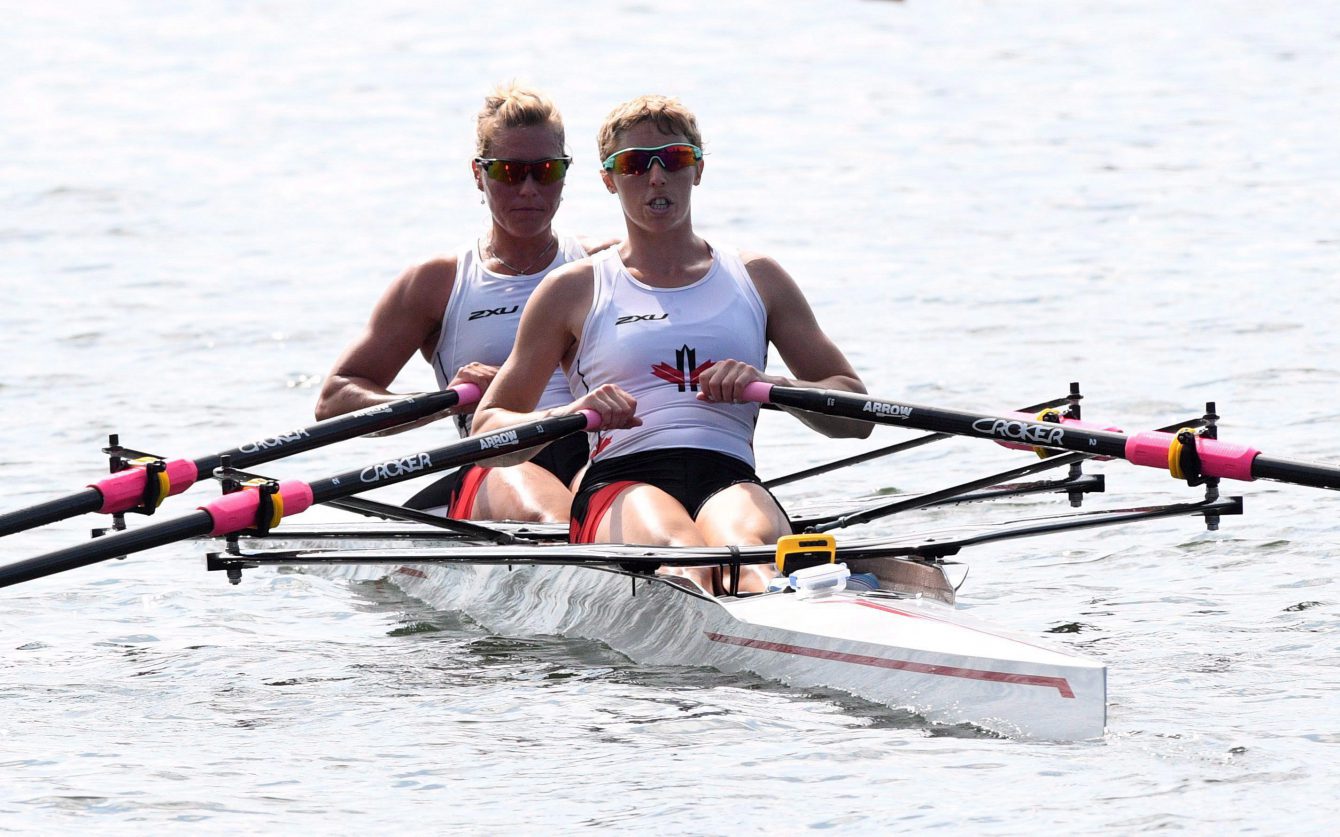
(515, 172)
(672, 157)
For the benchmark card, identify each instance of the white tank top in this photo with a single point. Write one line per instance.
(653, 342)
(482, 314)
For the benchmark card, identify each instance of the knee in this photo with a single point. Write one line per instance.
(678, 533)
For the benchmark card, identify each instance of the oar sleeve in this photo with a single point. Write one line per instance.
(124, 490)
(1217, 459)
(238, 510)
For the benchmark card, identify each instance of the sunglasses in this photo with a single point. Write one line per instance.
(515, 172)
(672, 157)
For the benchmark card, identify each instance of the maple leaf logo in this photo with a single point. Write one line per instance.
(686, 370)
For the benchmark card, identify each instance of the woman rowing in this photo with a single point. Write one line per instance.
(461, 311)
(660, 336)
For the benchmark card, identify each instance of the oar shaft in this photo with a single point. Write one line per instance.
(472, 449)
(1151, 448)
(81, 502)
(125, 489)
(108, 546)
(901, 447)
(239, 510)
(940, 420)
(1315, 474)
(339, 428)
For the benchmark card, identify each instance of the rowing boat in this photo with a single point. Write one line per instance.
(904, 645)
(897, 640)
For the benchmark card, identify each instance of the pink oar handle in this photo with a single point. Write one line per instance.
(467, 393)
(758, 391)
(592, 418)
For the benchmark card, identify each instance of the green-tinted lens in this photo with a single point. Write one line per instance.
(505, 171)
(514, 172)
(550, 171)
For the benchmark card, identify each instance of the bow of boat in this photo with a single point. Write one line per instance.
(925, 655)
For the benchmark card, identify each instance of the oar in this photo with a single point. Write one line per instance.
(262, 506)
(146, 485)
(889, 450)
(1184, 454)
(1075, 483)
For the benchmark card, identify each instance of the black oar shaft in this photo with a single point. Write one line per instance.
(1315, 474)
(109, 546)
(336, 429)
(901, 447)
(1150, 448)
(122, 491)
(472, 449)
(81, 502)
(955, 422)
(239, 510)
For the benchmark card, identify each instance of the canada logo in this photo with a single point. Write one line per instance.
(686, 370)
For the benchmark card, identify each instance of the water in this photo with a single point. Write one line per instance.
(985, 201)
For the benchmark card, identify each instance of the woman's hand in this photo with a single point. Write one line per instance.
(616, 407)
(724, 381)
(479, 374)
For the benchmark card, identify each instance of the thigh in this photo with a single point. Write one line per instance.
(742, 514)
(644, 514)
(522, 492)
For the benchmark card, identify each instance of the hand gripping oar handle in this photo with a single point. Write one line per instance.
(1149, 448)
(241, 509)
(126, 489)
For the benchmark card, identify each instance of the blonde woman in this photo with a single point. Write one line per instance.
(660, 336)
(460, 311)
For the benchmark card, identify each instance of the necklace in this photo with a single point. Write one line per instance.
(553, 242)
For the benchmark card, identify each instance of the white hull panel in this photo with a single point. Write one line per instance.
(918, 654)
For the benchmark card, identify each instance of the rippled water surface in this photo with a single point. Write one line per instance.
(984, 201)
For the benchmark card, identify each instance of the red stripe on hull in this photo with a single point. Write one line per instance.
(899, 612)
(411, 571)
(1060, 684)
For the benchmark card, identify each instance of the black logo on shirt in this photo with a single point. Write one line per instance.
(637, 318)
(493, 312)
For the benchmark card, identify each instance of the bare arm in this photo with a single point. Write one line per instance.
(809, 354)
(551, 324)
(406, 319)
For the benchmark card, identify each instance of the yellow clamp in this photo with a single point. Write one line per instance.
(276, 502)
(796, 552)
(1048, 414)
(1175, 452)
(164, 484)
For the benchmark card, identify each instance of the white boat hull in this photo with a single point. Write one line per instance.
(914, 653)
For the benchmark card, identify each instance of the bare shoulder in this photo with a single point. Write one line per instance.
(568, 278)
(429, 283)
(754, 260)
(412, 306)
(595, 245)
(582, 268)
(563, 296)
(774, 284)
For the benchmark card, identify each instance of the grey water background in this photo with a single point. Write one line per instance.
(984, 201)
